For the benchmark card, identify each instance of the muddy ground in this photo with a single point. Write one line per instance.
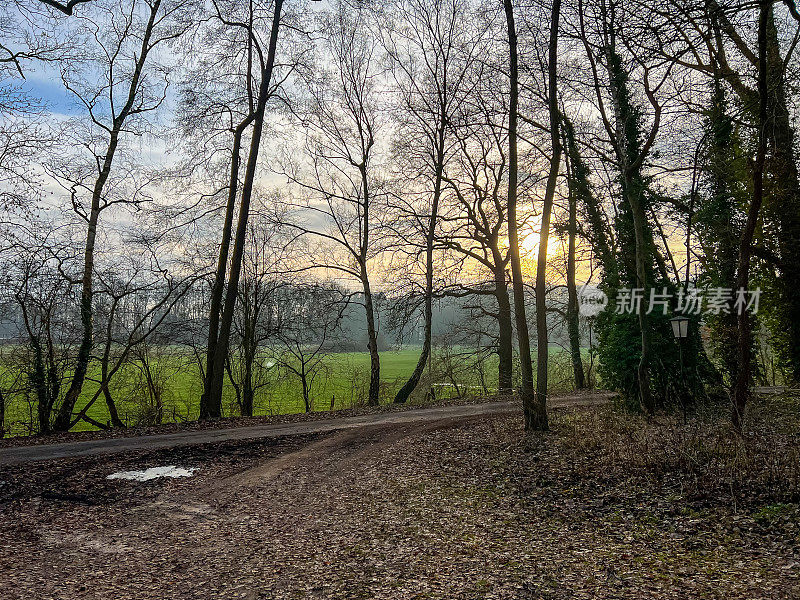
(446, 509)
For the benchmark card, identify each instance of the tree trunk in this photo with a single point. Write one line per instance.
(248, 394)
(783, 196)
(573, 314)
(112, 408)
(207, 408)
(154, 391)
(505, 344)
(643, 370)
(630, 157)
(306, 391)
(104, 374)
(372, 345)
(64, 417)
(403, 394)
(542, 345)
(580, 186)
(249, 350)
(38, 377)
(534, 419)
(719, 231)
(218, 289)
(369, 308)
(236, 389)
(44, 402)
(214, 400)
(741, 389)
(413, 381)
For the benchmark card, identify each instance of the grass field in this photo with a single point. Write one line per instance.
(343, 379)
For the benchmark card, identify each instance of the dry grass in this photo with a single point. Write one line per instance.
(705, 456)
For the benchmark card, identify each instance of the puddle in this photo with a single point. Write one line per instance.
(154, 473)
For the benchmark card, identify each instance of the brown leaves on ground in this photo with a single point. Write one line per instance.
(604, 506)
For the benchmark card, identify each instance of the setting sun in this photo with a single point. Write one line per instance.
(530, 240)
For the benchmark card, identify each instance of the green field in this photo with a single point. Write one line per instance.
(343, 379)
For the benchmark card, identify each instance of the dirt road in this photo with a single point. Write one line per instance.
(452, 503)
(24, 454)
(442, 504)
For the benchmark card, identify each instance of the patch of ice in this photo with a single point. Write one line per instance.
(154, 473)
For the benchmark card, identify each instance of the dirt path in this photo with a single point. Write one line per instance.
(348, 445)
(455, 507)
(24, 454)
(287, 526)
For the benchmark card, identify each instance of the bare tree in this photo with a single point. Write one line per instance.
(134, 300)
(573, 310)
(115, 103)
(310, 315)
(219, 337)
(257, 318)
(535, 414)
(338, 177)
(434, 50)
(474, 217)
(631, 147)
(543, 350)
(45, 340)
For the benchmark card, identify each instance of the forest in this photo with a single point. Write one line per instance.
(573, 226)
(215, 187)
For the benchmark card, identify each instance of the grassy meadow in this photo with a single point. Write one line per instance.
(342, 382)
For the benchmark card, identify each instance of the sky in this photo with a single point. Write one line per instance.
(43, 81)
